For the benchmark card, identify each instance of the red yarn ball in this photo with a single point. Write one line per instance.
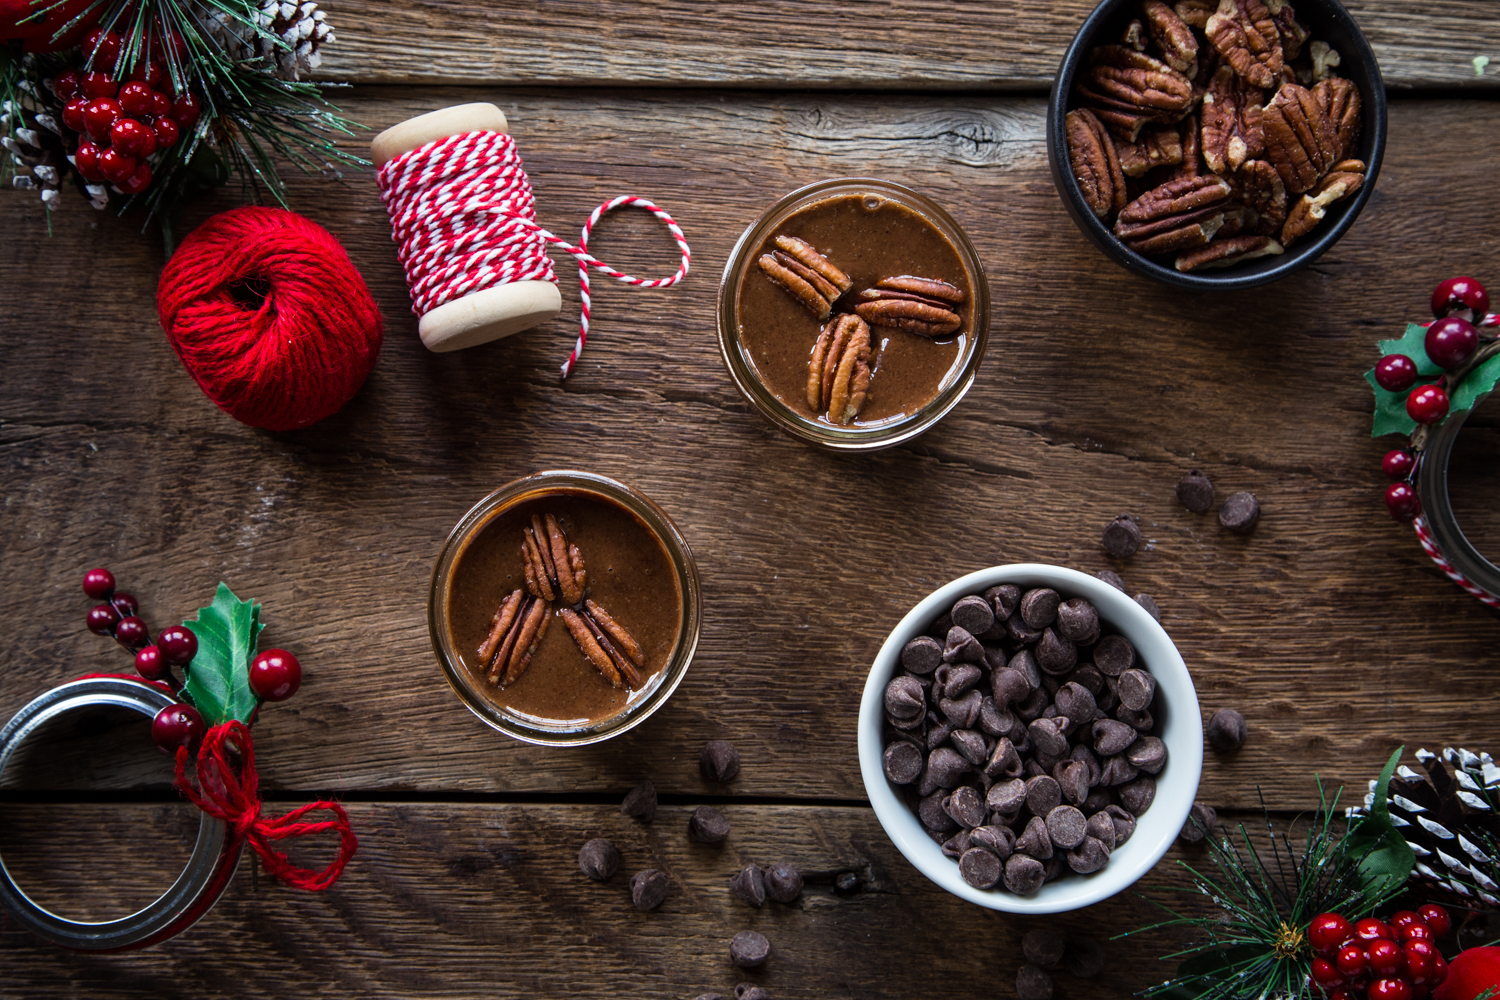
(270, 317)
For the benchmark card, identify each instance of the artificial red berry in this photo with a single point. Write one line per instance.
(138, 181)
(1401, 918)
(1352, 960)
(1439, 971)
(72, 115)
(1436, 918)
(132, 632)
(1343, 994)
(1370, 929)
(97, 84)
(1325, 973)
(86, 159)
(275, 675)
(98, 583)
(137, 98)
(1419, 961)
(1398, 463)
(177, 726)
(1395, 372)
(179, 644)
(1402, 501)
(161, 106)
(125, 603)
(1461, 297)
(99, 116)
(1327, 931)
(132, 138)
(1451, 341)
(102, 619)
(1386, 958)
(150, 664)
(1389, 989)
(1416, 932)
(101, 47)
(148, 72)
(185, 110)
(116, 166)
(1427, 404)
(65, 84)
(166, 132)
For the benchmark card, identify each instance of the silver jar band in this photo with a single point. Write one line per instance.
(209, 869)
(1437, 527)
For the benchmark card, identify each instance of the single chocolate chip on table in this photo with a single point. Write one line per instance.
(749, 991)
(719, 761)
(748, 949)
(1200, 823)
(648, 889)
(750, 885)
(1195, 492)
(1033, 984)
(783, 882)
(640, 802)
(1240, 513)
(1122, 537)
(598, 859)
(1042, 948)
(1227, 730)
(710, 996)
(1112, 578)
(708, 825)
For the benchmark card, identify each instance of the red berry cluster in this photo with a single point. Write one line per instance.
(1379, 960)
(124, 122)
(275, 674)
(1461, 306)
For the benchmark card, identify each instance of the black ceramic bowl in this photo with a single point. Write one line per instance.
(1328, 21)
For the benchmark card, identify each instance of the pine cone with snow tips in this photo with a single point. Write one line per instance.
(287, 37)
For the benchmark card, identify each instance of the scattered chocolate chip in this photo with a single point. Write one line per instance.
(1042, 948)
(903, 762)
(749, 991)
(719, 761)
(748, 949)
(1148, 753)
(1122, 537)
(1114, 655)
(922, 655)
(1084, 957)
(1240, 513)
(1033, 984)
(1200, 823)
(1112, 578)
(750, 885)
(1149, 603)
(974, 614)
(710, 996)
(1138, 795)
(1195, 492)
(708, 825)
(980, 868)
(1078, 621)
(648, 889)
(1227, 730)
(1136, 688)
(783, 882)
(640, 802)
(1024, 874)
(598, 859)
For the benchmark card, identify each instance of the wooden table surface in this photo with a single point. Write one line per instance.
(1328, 628)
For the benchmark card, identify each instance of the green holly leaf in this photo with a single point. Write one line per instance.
(1413, 344)
(1390, 407)
(1385, 859)
(1476, 384)
(218, 680)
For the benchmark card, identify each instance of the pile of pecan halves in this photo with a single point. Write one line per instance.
(554, 569)
(839, 372)
(1215, 131)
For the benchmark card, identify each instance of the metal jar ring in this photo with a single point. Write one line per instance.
(204, 879)
(1437, 527)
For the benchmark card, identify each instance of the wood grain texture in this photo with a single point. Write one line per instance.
(450, 901)
(886, 45)
(1328, 627)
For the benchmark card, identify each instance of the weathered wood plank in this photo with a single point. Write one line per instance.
(893, 44)
(458, 900)
(1327, 627)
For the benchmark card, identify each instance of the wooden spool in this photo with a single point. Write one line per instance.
(490, 313)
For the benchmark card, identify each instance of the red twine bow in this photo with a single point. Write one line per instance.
(228, 789)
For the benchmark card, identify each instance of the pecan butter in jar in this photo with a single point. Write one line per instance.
(564, 608)
(853, 314)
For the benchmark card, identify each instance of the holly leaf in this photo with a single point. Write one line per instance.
(1390, 407)
(1385, 858)
(1413, 344)
(218, 680)
(1476, 384)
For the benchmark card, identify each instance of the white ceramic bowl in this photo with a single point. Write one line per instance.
(1179, 723)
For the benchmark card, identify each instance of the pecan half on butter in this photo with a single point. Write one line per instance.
(1231, 122)
(1179, 214)
(1224, 253)
(602, 646)
(552, 567)
(798, 267)
(1301, 141)
(1178, 44)
(1096, 167)
(1341, 102)
(838, 373)
(1341, 182)
(924, 306)
(1249, 39)
(515, 632)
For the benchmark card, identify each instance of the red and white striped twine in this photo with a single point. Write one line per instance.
(1429, 544)
(464, 217)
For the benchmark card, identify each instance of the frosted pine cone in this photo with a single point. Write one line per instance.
(36, 155)
(300, 26)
